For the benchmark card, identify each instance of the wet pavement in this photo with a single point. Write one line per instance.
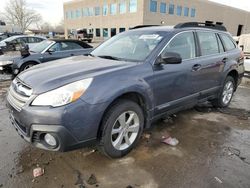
(214, 151)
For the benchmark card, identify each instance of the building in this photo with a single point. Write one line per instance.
(105, 18)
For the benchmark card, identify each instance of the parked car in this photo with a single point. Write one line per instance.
(85, 35)
(126, 83)
(247, 67)
(43, 52)
(7, 35)
(9, 44)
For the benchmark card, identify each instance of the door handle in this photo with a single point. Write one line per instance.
(196, 67)
(72, 54)
(224, 60)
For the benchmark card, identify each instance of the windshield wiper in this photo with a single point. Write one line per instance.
(109, 57)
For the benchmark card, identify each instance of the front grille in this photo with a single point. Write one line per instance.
(18, 94)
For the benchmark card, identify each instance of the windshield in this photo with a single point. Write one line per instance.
(130, 46)
(41, 46)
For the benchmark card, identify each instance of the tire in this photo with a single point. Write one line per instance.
(27, 66)
(228, 89)
(122, 141)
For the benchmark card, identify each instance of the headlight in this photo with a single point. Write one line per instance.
(5, 62)
(63, 95)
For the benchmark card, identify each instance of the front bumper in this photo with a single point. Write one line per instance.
(71, 128)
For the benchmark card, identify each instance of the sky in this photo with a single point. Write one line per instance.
(52, 10)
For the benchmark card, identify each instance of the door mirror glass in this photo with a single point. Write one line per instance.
(169, 58)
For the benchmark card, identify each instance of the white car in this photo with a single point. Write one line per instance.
(247, 67)
(29, 40)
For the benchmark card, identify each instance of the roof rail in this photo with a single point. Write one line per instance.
(142, 26)
(210, 25)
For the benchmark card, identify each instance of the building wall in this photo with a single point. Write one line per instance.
(204, 11)
(109, 21)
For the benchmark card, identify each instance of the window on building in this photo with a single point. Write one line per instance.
(153, 6)
(72, 15)
(78, 13)
(105, 32)
(91, 11)
(85, 12)
(179, 10)
(193, 12)
(182, 44)
(133, 6)
(208, 43)
(122, 7)
(122, 29)
(171, 9)
(163, 8)
(228, 43)
(113, 32)
(97, 11)
(105, 10)
(186, 11)
(67, 15)
(113, 9)
(97, 32)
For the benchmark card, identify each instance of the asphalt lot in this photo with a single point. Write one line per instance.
(214, 151)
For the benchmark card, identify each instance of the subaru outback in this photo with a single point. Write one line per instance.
(110, 96)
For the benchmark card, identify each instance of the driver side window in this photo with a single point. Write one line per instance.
(182, 44)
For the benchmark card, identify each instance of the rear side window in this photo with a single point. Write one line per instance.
(182, 44)
(37, 40)
(208, 43)
(220, 45)
(227, 41)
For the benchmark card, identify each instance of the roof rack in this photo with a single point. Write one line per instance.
(208, 24)
(142, 26)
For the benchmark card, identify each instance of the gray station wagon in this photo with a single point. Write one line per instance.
(109, 97)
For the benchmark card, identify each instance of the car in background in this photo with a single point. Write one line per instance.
(85, 35)
(247, 67)
(9, 44)
(43, 52)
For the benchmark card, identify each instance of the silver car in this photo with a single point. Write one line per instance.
(22, 39)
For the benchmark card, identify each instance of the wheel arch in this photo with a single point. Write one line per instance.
(235, 75)
(134, 96)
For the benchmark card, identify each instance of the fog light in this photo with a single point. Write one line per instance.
(50, 140)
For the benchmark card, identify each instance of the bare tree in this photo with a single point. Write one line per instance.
(18, 13)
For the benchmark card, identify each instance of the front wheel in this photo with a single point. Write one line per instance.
(122, 127)
(226, 94)
(27, 66)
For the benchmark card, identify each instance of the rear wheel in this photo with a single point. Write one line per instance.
(226, 94)
(122, 127)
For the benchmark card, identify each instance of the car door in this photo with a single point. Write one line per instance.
(172, 82)
(53, 53)
(206, 75)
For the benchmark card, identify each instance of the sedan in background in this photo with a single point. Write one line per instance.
(11, 42)
(45, 51)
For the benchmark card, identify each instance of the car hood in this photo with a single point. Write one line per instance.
(49, 76)
(9, 56)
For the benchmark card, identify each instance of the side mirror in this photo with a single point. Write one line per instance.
(50, 51)
(169, 58)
